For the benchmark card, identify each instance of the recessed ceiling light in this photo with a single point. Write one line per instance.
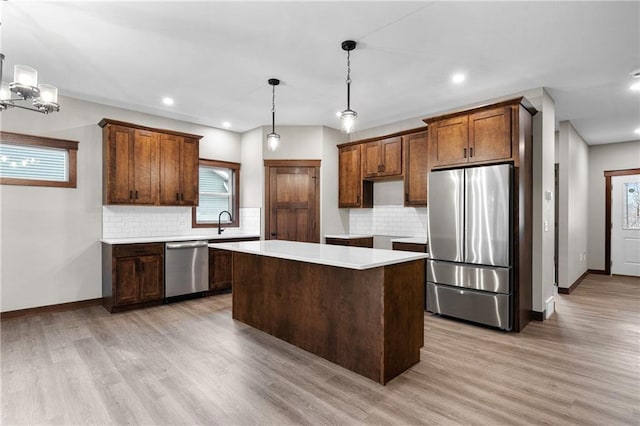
(637, 130)
(338, 114)
(226, 124)
(635, 86)
(167, 101)
(458, 78)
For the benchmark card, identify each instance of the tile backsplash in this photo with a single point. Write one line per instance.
(395, 220)
(147, 221)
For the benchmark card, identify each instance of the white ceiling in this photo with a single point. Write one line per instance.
(214, 58)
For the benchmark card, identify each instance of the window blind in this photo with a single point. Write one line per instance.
(216, 193)
(33, 162)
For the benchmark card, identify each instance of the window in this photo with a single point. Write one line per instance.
(37, 161)
(631, 202)
(218, 185)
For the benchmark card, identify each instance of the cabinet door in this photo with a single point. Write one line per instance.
(189, 167)
(151, 278)
(170, 190)
(391, 157)
(126, 287)
(219, 269)
(145, 167)
(371, 159)
(490, 135)
(416, 169)
(119, 161)
(349, 176)
(448, 141)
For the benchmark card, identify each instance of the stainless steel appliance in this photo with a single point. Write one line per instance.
(470, 228)
(186, 269)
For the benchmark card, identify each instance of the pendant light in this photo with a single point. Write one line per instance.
(348, 116)
(273, 139)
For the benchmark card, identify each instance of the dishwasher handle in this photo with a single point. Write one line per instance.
(187, 244)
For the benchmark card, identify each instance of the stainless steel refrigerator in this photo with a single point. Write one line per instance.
(469, 273)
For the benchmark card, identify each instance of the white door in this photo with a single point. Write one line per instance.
(625, 219)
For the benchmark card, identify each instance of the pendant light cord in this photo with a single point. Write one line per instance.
(273, 109)
(348, 79)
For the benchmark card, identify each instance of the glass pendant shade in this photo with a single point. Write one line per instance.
(25, 76)
(48, 94)
(273, 141)
(348, 118)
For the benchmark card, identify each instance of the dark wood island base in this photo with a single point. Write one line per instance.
(369, 321)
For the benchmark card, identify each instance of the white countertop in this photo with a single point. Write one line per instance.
(323, 254)
(136, 240)
(348, 236)
(419, 240)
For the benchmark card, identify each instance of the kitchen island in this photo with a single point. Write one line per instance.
(358, 307)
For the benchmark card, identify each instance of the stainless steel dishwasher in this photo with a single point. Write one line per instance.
(186, 269)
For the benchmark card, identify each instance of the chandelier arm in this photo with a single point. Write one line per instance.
(12, 105)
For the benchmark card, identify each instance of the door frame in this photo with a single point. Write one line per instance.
(607, 213)
(267, 193)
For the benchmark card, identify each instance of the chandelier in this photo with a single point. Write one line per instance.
(25, 88)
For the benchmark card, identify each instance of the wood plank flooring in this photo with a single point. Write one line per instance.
(190, 363)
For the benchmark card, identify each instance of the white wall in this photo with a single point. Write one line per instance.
(50, 236)
(573, 228)
(617, 156)
(333, 219)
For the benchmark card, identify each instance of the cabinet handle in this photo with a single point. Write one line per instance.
(182, 196)
(464, 153)
(358, 199)
(382, 167)
(177, 196)
(136, 194)
(406, 196)
(471, 152)
(131, 195)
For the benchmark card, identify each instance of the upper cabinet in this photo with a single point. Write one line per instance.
(416, 168)
(149, 166)
(352, 190)
(480, 135)
(178, 170)
(382, 158)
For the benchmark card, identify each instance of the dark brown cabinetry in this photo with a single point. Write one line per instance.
(219, 269)
(477, 136)
(149, 166)
(417, 247)
(352, 190)
(178, 170)
(416, 168)
(131, 166)
(132, 275)
(352, 242)
(220, 266)
(382, 158)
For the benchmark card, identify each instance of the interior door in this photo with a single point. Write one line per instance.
(625, 225)
(293, 211)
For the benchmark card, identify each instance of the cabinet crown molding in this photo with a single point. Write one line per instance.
(106, 121)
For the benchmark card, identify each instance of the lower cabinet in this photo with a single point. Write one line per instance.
(219, 270)
(132, 275)
(421, 248)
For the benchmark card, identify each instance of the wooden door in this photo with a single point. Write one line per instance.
(293, 197)
(189, 167)
(490, 135)
(416, 156)
(170, 190)
(371, 159)
(391, 157)
(151, 278)
(126, 289)
(448, 140)
(349, 176)
(120, 164)
(145, 167)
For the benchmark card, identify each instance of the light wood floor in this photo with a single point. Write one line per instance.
(190, 363)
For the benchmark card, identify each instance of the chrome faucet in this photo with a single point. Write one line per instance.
(219, 216)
